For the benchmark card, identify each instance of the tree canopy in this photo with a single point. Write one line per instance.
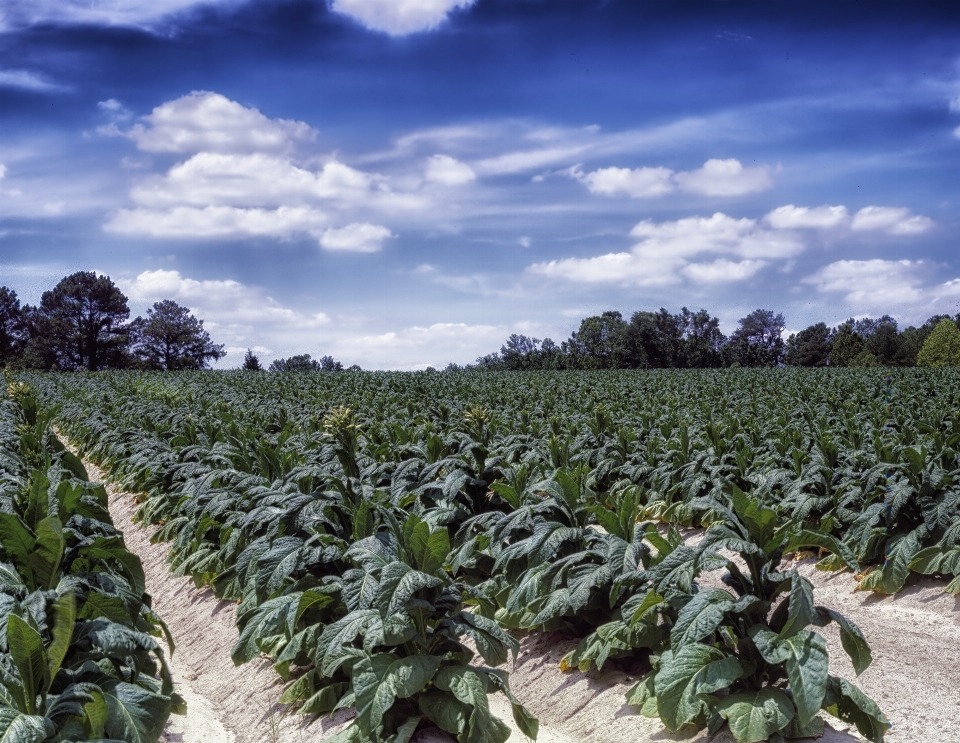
(942, 347)
(172, 339)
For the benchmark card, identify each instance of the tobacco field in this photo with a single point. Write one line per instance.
(387, 535)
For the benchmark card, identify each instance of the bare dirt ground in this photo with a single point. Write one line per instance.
(914, 676)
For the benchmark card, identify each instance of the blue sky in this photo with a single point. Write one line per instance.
(403, 183)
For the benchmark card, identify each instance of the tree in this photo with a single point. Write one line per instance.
(702, 339)
(653, 340)
(171, 338)
(880, 337)
(847, 344)
(13, 327)
(810, 347)
(942, 348)
(251, 362)
(303, 363)
(758, 340)
(80, 323)
(599, 343)
(300, 363)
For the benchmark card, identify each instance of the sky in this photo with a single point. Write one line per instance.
(404, 183)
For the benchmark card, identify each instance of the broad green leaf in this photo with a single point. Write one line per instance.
(29, 656)
(851, 637)
(808, 538)
(380, 679)
(686, 677)
(801, 610)
(134, 714)
(429, 550)
(323, 701)
(16, 727)
(398, 583)
(64, 617)
(405, 731)
(17, 541)
(445, 711)
(805, 659)
(47, 552)
(700, 617)
(756, 715)
(847, 702)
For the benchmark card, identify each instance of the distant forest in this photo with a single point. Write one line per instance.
(83, 324)
(693, 340)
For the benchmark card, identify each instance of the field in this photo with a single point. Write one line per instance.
(389, 536)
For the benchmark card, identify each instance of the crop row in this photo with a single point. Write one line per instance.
(369, 524)
(79, 659)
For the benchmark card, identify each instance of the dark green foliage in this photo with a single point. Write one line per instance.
(172, 339)
(79, 658)
(810, 347)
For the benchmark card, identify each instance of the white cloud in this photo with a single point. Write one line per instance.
(209, 122)
(218, 222)
(3, 171)
(803, 217)
(895, 220)
(420, 346)
(111, 13)
(873, 283)
(26, 80)
(724, 178)
(227, 305)
(666, 251)
(399, 17)
(357, 238)
(251, 180)
(449, 171)
(722, 271)
(517, 162)
(638, 183)
(715, 178)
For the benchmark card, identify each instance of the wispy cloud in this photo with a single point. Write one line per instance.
(28, 80)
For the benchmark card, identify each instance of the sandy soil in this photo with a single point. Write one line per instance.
(914, 676)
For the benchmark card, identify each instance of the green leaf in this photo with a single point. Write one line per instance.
(445, 711)
(528, 724)
(760, 521)
(323, 701)
(756, 715)
(468, 687)
(364, 524)
(429, 550)
(851, 637)
(805, 659)
(809, 538)
(686, 677)
(72, 462)
(405, 731)
(26, 649)
(47, 552)
(700, 617)
(17, 542)
(380, 679)
(16, 727)
(64, 617)
(134, 714)
(801, 610)
(398, 583)
(847, 702)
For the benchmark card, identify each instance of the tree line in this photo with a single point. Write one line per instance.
(83, 323)
(693, 340)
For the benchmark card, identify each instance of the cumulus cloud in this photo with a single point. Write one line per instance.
(666, 251)
(357, 238)
(715, 178)
(448, 171)
(209, 122)
(791, 217)
(895, 220)
(218, 301)
(399, 17)
(724, 178)
(876, 282)
(638, 183)
(252, 180)
(242, 181)
(219, 222)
